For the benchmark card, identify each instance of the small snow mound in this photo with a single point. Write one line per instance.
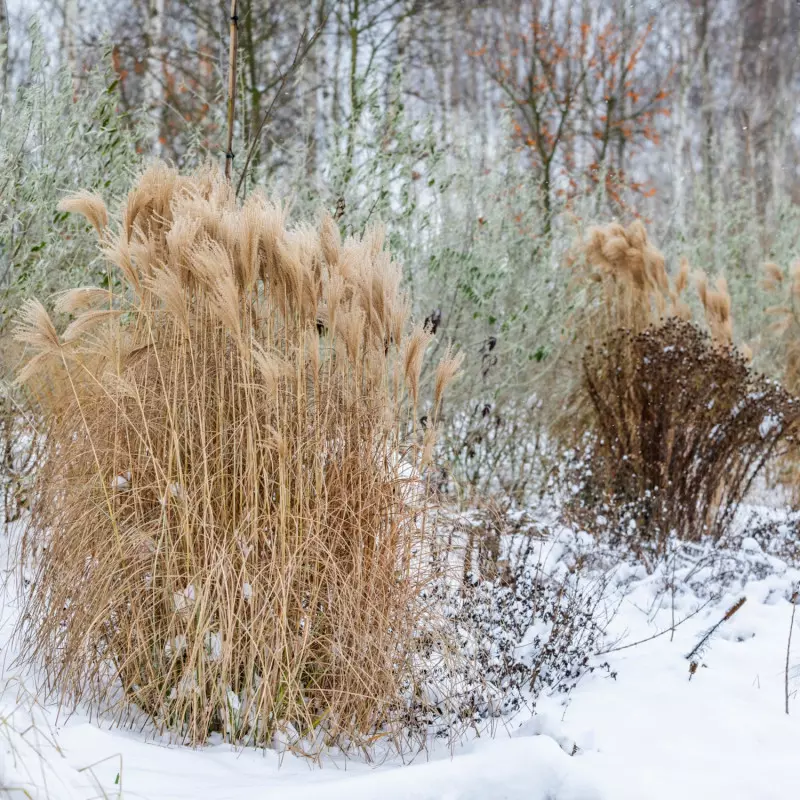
(750, 545)
(121, 482)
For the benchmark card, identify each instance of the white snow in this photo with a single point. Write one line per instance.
(122, 481)
(768, 424)
(641, 731)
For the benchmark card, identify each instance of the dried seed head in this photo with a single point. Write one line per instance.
(773, 276)
(72, 300)
(90, 206)
(446, 372)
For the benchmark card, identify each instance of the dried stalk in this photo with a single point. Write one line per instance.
(303, 47)
(710, 632)
(230, 509)
(789, 649)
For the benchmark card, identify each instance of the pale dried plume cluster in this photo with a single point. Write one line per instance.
(786, 328)
(230, 525)
(636, 291)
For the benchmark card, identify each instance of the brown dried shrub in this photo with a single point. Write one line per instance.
(621, 283)
(680, 428)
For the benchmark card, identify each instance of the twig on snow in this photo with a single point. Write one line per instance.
(789, 648)
(660, 633)
(709, 633)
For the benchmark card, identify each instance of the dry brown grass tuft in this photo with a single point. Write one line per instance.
(229, 531)
(677, 423)
(636, 291)
(786, 327)
(716, 302)
(621, 284)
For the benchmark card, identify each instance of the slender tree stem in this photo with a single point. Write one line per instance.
(3, 52)
(231, 87)
(303, 46)
(789, 649)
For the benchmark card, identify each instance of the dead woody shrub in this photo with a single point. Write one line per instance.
(227, 531)
(681, 427)
(620, 282)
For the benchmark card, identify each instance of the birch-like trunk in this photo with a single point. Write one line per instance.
(154, 79)
(67, 37)
(3, 52)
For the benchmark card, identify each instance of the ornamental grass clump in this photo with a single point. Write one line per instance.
(229, 529)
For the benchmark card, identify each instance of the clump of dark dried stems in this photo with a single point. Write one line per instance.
(526, 633)
(230, 528)
(679, 423)
(526, 617)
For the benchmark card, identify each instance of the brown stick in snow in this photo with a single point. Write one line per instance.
(710, 632)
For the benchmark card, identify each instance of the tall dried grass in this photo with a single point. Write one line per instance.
(633, 289)
(636, 291)
(230, 528)
(676, 422)
(783, 336)
(785, 329)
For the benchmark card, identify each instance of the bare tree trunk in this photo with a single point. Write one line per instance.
(337, 65)
(353, 83)
(3, 53)
(783, 107)
(682, 141)
(703, 36)
(234, 34)
(153, 88)
(250, 57)
(313, 71)
(68, 50)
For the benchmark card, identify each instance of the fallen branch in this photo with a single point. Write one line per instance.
(660, 633)
(698, 648)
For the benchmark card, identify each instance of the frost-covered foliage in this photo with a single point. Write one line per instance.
(727, 236)
(55, 137)
(531, 629)
(531, 633)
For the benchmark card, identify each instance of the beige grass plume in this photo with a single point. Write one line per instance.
(716, 302)
(226, 548)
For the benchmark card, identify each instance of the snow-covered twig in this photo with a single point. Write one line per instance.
(660, 633)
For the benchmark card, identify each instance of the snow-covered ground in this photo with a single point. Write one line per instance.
(641, 729)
